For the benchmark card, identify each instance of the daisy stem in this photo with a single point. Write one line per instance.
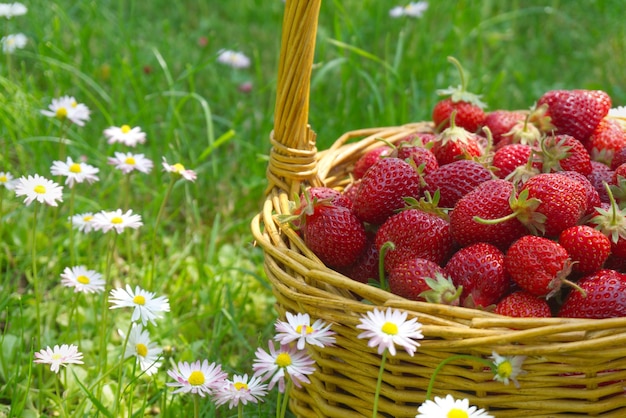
(240, 410)
(379, 384)
(120, 372)
(72, 249)
(431, 384)
(168, 192)
(35, 278)
(196, 407)
(282, 410)
(62, 141)
(103, 320)
(132, 392)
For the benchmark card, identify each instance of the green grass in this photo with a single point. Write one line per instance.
(141, 63)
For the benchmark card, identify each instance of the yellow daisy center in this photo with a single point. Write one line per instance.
(40, 189)
(125, 129)
(61, 113)
(75, 168)
(139, 300)
(117, 220)
(178, 167)
(130, 161)
(3, 179)
(56, 356)
(196, 378)
(87, 218)
(82, 279)
(74, 104)
(390, 328)
(457, 413)
(240, 386)
(283, 360)
(307, 329)
(141, 349)
(505, 369)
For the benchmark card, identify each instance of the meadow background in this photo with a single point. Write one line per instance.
(153, 64)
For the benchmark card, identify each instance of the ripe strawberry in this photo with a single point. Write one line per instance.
(407, 279)
(365, 268)
(593, 198)
(522, 304)
(500, 122)
(456, 143)
(619, 158)
(369, 158)
(600, 174)
(587, 247)
(607, 139)
(414, 233)
(523, 132)
(509, 157)
(604, 297)
(479, 268)
(383, 189)
(489, 200)
(576, 112)
(564, 153)
(455, 180)
(421, 156)
(538, 265)
(327, 194)
(610, 219)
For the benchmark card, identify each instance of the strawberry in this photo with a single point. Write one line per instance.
(564, 153)
(421, 156)
(455, 180)
(414, 233)
(610, 219)
(600, 174)
(383, 189)
(607, 139)
(604, 297)
(522, 304)
(523, 132)
(318, 194)
(479, 269)
(500, 122)
(467, 106)
(369, 158)
(619, 158)
(489, 200)
(456, 143)
(407, 279)
(593, 198)
(507, 158)
(587, 247)
(576, 112)
(538, 265)
(365, 268)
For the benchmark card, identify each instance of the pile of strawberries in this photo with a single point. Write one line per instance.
(519, 212)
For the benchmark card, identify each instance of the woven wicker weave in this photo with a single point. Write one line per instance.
(574, 367)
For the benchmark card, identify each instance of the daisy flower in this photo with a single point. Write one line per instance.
(106, 220)
(413, 9)
(285, 361)
(127, 162)
(233, 58)
(507, 368)
(7, 181)
(9, 10)
(74, 171)
(179, 169)
(40, 189)
(298, 327)
(147, 352)
(240, 389)
(82, 221)
(449, 407)
(618, 112)
(12, 42)
(146, 306)
(388, 328)
(199, 378)
(67, 107)
(59, 356)
(82, 280)
(125, 135)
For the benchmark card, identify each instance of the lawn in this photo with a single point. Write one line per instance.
(154, 65)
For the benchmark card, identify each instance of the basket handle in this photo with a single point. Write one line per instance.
(293, 154)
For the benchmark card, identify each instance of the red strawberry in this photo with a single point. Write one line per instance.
(455, 180)
(407, 279)
(610, 219)
(479, 268)
(607, 139)
(365, 268)
(538, 265)
(522, 304)
(600, 174)
(509, 157)
(564, 153)
(593, 198)
(369, 158)
(587, 247)
(604, 297)
(500, 122)
(576, 112)
(421, 157)
(619, 158)
(327, 194)
(456, 143)
(414, 233)
(489, 200)
(383, 189)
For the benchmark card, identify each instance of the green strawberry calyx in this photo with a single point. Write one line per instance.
(611, 222)
(460, 93)
(442, 290)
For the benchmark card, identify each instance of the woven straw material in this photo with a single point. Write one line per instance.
(574, 367)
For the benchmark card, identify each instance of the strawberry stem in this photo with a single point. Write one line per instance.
(381, 263)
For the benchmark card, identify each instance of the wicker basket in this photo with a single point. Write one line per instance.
(574, 367)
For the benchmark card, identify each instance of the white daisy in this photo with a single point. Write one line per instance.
(298, 327)
(507, 368)
(147, 352)
(240, 389)
(74, 171)
(127, 162)
(107, 220)
(7, 181)
(9, 10)
(67, 107)
(40, 189)
(59, 356)
(388, 328)
(12, 42)
(83, 222)
(146, 306)
(179, 169)
(413, 9)
(233, 58)
(125, 135)
(286, 361)
(82, 280)
(449, 407)
(197, 378)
